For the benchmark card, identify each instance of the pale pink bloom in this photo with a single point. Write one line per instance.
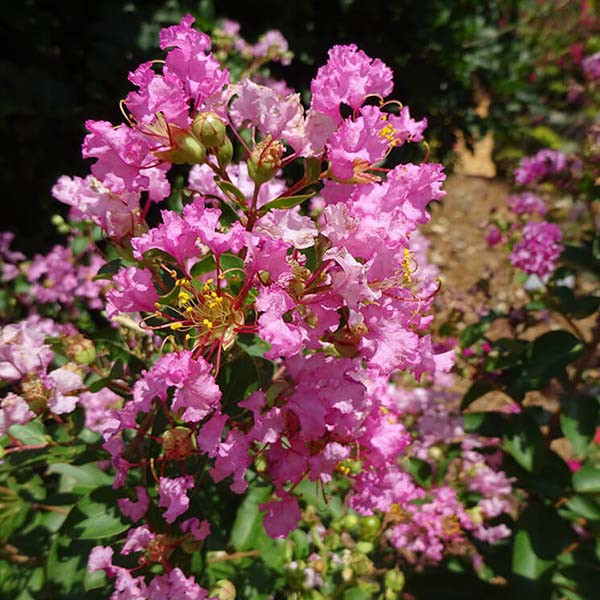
(14, 411)
(349, 76)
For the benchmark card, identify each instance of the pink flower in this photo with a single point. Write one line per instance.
(14, 411)
(199, 530)
(138, 539)
(196, 394)
(535, 168)
(172, 495)
(539, 248)
(527, 203)
(125, 162)
(493, 236)
(116, 213)
(191, 62)
(349, 76)
(100, 559)
(62, 382)
(282, 516)
(174, 586)
(164, 94)
(134, 292)
(591, 67)
(135, 510)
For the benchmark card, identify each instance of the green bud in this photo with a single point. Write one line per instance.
(350, 521)
(193, 151)
(186, 149)
(223, 590)
(265, 160)
(365, 547)
(368, 528)
(394, 580)
(210, 129)
(435, 453)
(224, 152)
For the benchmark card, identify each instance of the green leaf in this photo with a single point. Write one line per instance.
(540, 537)
(233, 193)
(33, 433)
(585, 506)
(206, 265)
(578, 421)
(285, 202)
(79, 244)
(524, 441)
(80, 479)
(107, 270)
(487, 424)
(548, 355)
(95, 517)
(248, 520)
(355, 593)
(587, 479)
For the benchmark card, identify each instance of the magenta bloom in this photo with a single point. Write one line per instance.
(196, 393)
(134, 292)
(527, 203)
(533, 169)
(172, 495)
(348, 76)
(282, 516)
(591, 67)
(539, 248)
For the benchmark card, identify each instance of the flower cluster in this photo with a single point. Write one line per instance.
(36, 385)
(538, 167)
(591, 67)
(335, 296)
(538, 249)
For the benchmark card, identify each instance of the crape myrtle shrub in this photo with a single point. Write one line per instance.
(540, 357)
(212, 387)
(66, 61)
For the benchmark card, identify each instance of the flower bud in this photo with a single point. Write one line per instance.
(193, 151)
(178, 444)
(224, 152)
(223, 590)
(79, 349)
(368, 528)
(265, 160)
(210, 129)
(394, 580)
(435, 453)
(186, 149)
(350, 521)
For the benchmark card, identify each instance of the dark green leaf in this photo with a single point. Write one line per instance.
(578, 421)
(95, 517)
(285, 202)
(587, 479)
(107, 270)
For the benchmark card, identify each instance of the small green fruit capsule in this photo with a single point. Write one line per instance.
(224, 152)
(210, 129)
(368, 528)
(265, 160)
